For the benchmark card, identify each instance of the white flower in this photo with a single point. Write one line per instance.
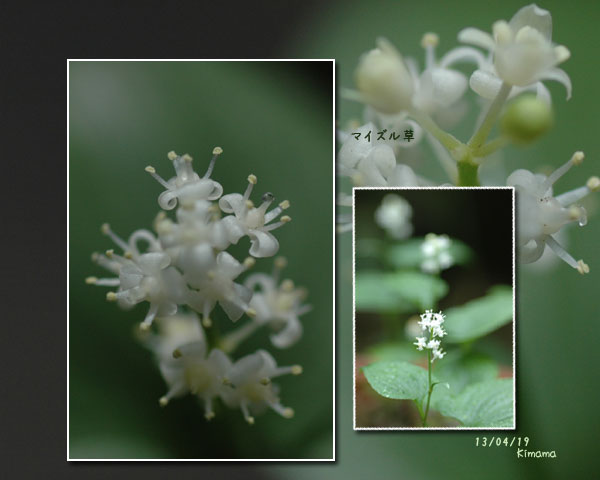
(540, 214)
(173, 332)
(187, 186)
(253, 221)
(522, 50)
(394, 216)
(439, 86)
(278, 305)
(212, 279)
(383, 80)
(142, 276)
(433, 344)
(190, 370)
(436, 253)
(437, 354)
(252, 389)
(372, 162)
(421, 343)
(425, 321)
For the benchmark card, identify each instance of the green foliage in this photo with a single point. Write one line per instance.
(485, 404)
(394, 351)
(397, 292)
(479, 317)
(397, 380)
(408, 254)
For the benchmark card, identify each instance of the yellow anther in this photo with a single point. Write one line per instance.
(286, 219)
(206, 322)
(209, 415)
(150, 169)
(111, 296)
(105, 228)
(251, 312)
(172, 155)
(91, 280)
(217, 151)
(287, 285)
(577, 158)
(177, 353)
(583, 267)
(280, 262)
(163, 401)
(110, 253)
(593, 184)
(430, 40)
(187, 158)
(296, 370)
(249, 262)
(252, 179)
(265, 381)
(288, 413)
(285, 204)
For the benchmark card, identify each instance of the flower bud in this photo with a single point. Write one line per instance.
(526, 118)
(383, 79)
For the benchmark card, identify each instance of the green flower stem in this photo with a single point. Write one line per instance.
(447, 140)
(491, 146)
(480, 136)
(467, 170)
(429, 389)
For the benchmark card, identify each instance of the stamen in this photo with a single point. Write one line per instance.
(265, 381)
(172, 155)
(576, 159)
(429, 42)
(561, 252)
(145, 325)
(208, 410)
(249, 262)
(114, 237)
(251, 312)
(283, 220)
(157, 177)
(106, 263)
(287, 285)
(91, 280)
(582, 267)
(103, 282)
(206, 322)
(267, 199)
(111, 297)
(246, 413)
(285, 412)
(593, 184)
(294, 370)
(177, 353)
(216, 152)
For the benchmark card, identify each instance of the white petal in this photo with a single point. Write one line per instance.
(533, 16)
(246, 369)
(289, 335)
(485, 84)
(220, 362)
(476, 37)
(152, 263)
(264, 244)
(558, 75)
(233, 228)
(232, 203)
(449, 86)
(463, 54)
(227, 264)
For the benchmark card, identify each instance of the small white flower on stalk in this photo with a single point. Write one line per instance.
(383, 79)
(190, 370)
(253, 221)
(278, 305)
(373, 162)
(436, 253)
(187, 186)
(394, 215)
(540, 214)
(523, 53)
(440, 87)
(432, 323)
(142, 276)
(212, 279)
(252, 390)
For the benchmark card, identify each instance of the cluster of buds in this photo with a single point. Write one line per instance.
(432, 323)
(185, 268)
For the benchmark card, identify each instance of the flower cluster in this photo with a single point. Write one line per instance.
(394, 215)
(436, 253)
(185, 268)
(512, 61)
(432, 323)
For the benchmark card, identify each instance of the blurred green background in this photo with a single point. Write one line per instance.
(558, 319)
(272, 119)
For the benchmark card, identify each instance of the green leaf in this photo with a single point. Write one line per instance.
(368, 247)
(422, 290)
(373, 294)
(461, 370)
(479, 317)
(397, 380)
(408, 254)
(486, 404)
(394, 351)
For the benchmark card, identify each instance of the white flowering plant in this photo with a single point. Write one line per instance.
(215, 351)
(407, 347)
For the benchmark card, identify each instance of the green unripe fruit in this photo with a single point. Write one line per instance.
(526, 118)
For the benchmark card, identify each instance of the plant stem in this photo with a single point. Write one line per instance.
(491, 116)
(447, 140)
(467, 170)
(429, 389)
(491, 146)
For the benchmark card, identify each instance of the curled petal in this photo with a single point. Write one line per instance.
(233, 228)
(264, 244)
(463, 54)
(289, 334)
(485, 84)
(476, 37)
(560, 76)
(229, 265)
(533, 16)
(232, 203)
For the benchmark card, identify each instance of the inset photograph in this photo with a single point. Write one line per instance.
(200, 313)
(434, 308)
